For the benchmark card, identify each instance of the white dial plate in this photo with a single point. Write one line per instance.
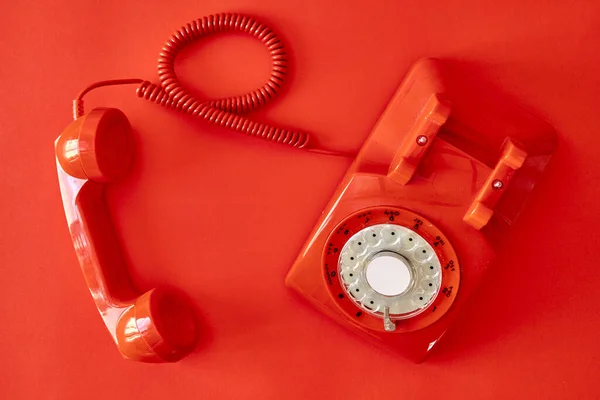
(388, 265)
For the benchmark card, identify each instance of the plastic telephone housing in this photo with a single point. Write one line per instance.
(461, 157)
(156, 326)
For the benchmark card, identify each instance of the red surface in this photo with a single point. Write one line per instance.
(223, 216)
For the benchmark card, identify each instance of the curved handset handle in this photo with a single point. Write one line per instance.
(155, 326)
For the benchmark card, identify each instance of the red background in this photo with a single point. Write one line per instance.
(223, 216)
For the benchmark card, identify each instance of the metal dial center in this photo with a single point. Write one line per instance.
(388, 273)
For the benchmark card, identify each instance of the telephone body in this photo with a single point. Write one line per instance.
(432, 194)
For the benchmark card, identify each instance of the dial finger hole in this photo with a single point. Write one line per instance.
(422, 254)
(349, 259)
(358, 245)
(390, 235)
(409, 241)
(349, 276)
(372, 237)
(421, 299)
(430, 269)
(370, 303)
(357, 292)
(429, 286)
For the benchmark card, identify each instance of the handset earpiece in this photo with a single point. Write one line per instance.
(157, 326)
(96, 146)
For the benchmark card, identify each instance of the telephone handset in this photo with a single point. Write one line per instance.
(156, 326)
(95, 150)
(422, 211)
